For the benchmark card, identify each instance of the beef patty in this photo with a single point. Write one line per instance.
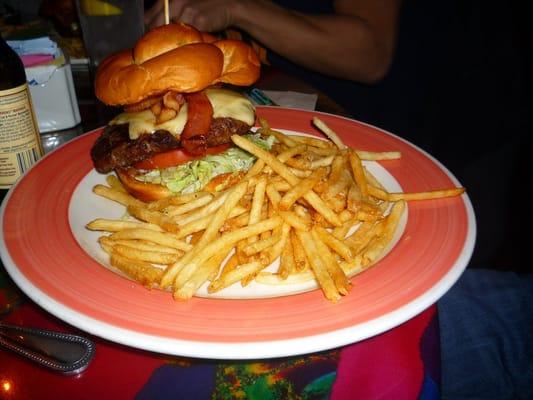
(114, 148)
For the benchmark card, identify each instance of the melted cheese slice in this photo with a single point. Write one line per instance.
(226, 104)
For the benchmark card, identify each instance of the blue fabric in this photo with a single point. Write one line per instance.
(486, 323)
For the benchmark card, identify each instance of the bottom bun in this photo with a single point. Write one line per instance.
(141, 190)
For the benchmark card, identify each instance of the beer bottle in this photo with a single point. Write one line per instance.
(20, 143)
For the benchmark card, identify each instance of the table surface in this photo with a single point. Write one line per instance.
(121, 372)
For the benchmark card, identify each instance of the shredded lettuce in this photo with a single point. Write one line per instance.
(194, 175)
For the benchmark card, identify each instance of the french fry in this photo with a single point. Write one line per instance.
(273, 252)
(177, 200)
(190, 261)
(201, 276)
(312, 141)
(378, 156)
(340, 232)
(358, 172)
(208, 209)
(211, 232)
(257, 202)
(273, 195)
(143, 272)
(142, 245)
(319, 268)
(253, 248)
(300, 258)
(281, 186)
(372, 253)
(267, 130)
(333, 243)
(234, 276)
(316, 202)
(153, 217)
(302, 188)
(255, 170)
(337, 186)
(162, 238)
(287, 264)
(335, 271)
(426, 195)
(230, 265)
(291, 152)
(113, 225)
(366, 231)
(317, 151)
(202, 223)
(195, 237)
(174, 210)
(292, 219)
(301, 173)
(329, 133)
(153, 257)
(117, 195)
(114, 183)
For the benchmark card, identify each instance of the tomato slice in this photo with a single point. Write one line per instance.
(199, 117)
(175, 157)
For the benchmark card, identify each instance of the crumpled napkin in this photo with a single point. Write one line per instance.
(40, 45)
(291, 99)
(41, 58)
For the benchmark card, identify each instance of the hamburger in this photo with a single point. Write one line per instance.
(179, 112)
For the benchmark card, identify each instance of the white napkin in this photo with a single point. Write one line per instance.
(293, 99)
(40, 45)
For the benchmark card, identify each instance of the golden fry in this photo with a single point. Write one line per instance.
(117, 195)
(333, 243)
(234, 276)
(154, 257)
(312, 141)
(287, 264)
(210, 233)
(292, 219)
(316, 202)
(358, 172)
(201, 275)
(143, 272)
(372, 253)
(177, 200)
(300, 258)
(335, 271)
(319, 268)
(174, 210)
(330, 133)
(291, 152)
(427, 195)
(153, 217)
(302, 188)
(378, 156)
(162, 238)
(114, 225)
(142, 245)
(115, 183)
(253, 248)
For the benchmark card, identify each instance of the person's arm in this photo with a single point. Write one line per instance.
(356, 43)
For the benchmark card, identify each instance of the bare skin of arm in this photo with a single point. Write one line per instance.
(357, 42)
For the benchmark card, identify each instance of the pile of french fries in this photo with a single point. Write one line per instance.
(308, 207)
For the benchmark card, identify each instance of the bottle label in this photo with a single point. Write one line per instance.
(20, 143)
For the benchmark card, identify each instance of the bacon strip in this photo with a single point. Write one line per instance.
(199, 117)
